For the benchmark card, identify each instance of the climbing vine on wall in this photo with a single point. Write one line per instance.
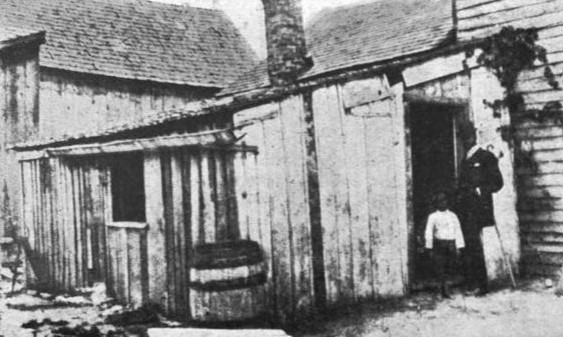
(506, 54)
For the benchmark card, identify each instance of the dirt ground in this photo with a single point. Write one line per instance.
(533, 309)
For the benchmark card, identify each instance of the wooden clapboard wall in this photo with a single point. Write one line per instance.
(190, 199)
(539, 150)
(63, 217)
(480, 18)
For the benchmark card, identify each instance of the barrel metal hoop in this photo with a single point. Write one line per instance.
(224, 285)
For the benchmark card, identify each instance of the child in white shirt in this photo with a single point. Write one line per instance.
(444, 239)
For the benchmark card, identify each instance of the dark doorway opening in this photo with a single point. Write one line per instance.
(434, 166)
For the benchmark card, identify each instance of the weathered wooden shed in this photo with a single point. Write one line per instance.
(325, 161)
(19, 90)
(109, 62)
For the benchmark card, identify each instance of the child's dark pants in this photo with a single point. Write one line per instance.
(444, 256)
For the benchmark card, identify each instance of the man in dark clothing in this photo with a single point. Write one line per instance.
(479, 178)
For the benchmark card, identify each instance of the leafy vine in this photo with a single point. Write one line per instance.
(506, 54)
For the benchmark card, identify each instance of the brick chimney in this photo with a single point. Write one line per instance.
(285, 36)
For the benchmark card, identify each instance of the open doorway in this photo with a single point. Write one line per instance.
(435, 158)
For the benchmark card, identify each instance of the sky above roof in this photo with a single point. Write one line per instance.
(248, 17)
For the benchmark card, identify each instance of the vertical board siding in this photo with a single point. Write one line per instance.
(199, 207)
(98, 101)
(58, 214)
(126, 250)
(359, 178)
(271, 190)
(18, 122)
(359, 173)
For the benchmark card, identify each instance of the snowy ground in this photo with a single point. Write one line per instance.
(532, 310)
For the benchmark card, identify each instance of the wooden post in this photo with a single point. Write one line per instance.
(155, 236)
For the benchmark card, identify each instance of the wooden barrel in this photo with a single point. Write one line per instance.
(227, 281)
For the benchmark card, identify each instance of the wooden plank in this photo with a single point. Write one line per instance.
(258, 169)
(382, 198)
(404, 225)
(196, 223)
(134, 254)
(538, 17)
(546, 133)
(71, 237)
(179, 235)
(170, 234)
(108, 218)
(498, 7)
(220, 200)
(81, 193)
(125, 266)
(230, 193)
(554, 216)
(537, 72)
(546, 96)
(343, 220)
(325, 139)
(545, 180)
(281, 244)
(465, 4)
(188, 242)
(299, 234)
(516, 15)
(365, 91)
(541, 227)
(155, 236)
(547, 155)
(207, 192)
(57, 214)
(242, 195)
(537, 84)
(354, 131)
(433, 69)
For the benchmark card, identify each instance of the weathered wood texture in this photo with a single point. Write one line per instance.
(480, 18)
(540, 188)
(127, 256)
(19, 90)
(486, 88)
(98, 101)
(63, 218)
(538, 160)
(360, 143)
(273, 202)
(360, 177)
(190, 199)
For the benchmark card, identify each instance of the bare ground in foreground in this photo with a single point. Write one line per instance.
(531, 310)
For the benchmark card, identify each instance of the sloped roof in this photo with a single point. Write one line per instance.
(9, 34)
(350, 36)
(135, 39)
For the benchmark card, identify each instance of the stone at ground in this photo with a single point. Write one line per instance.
(191, 332)
(70, 301)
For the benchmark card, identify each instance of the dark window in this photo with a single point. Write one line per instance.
(128, 188)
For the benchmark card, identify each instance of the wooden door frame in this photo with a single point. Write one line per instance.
(462, 111)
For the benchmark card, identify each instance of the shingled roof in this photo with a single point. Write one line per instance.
(351, 36)
(11, 35)
(131, 39)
